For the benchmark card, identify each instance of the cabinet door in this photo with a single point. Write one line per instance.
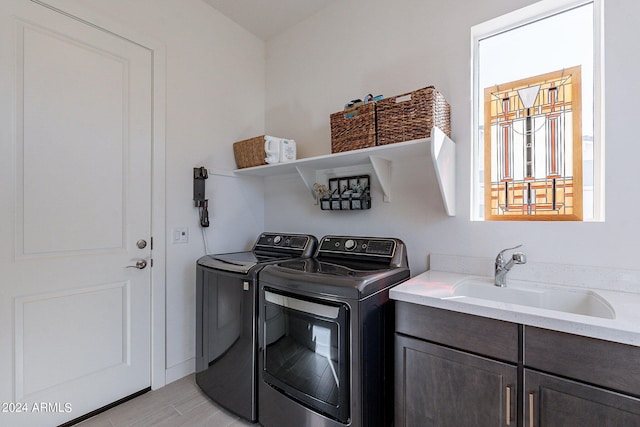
(440, 387)
(551, 401)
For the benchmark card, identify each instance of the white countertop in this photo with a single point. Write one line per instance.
(435, 289)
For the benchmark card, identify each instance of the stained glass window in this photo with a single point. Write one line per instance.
(515, 52)
(533, 148)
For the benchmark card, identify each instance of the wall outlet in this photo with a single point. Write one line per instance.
(180, 235)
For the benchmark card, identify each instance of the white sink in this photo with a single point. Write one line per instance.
(576, 301)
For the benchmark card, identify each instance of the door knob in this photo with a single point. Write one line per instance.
(141, 244)
(140, 264)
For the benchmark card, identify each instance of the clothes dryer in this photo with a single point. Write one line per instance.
(326, 325)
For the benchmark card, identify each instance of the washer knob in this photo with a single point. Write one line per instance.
(350, 245)
(277, 240)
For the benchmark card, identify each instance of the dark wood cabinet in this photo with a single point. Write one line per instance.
(552, 401)
(608, 364)
(438, 386)
(493, 338)
(455, 369)
(576, 381)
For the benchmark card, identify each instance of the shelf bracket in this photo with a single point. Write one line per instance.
(382, 168)
(443, 154)
(309, 177)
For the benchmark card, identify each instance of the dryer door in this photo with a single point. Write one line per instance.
(307, 353)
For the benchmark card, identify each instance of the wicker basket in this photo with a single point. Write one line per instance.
(354, 128)
(250, 152)
(412, 116)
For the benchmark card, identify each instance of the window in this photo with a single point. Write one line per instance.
(537, 131)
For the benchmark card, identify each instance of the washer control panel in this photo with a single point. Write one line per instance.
(284, 241)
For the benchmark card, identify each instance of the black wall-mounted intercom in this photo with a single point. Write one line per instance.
(199, 175)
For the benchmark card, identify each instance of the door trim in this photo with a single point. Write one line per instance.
(93, 18)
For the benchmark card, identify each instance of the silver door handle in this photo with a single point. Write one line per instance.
(531, 413)
(140, 264)
(508, 404)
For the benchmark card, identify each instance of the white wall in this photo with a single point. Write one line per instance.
(217, 78)
(357, 47)
(215, 96)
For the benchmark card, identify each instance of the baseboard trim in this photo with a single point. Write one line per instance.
(180, 370)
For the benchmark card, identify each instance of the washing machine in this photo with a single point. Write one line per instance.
(227, 316)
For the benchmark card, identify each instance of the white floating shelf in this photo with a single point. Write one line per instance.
(439, 147)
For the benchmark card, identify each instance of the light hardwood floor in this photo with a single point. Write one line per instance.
(179, 404)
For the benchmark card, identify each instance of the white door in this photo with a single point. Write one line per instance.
(75, 174)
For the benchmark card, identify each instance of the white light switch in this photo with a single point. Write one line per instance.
(180, 235)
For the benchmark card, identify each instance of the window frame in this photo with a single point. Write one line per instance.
(519, 18)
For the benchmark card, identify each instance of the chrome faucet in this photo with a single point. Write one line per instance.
(502, 267)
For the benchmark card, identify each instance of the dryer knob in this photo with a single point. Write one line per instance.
(277, 240)
(350, 245)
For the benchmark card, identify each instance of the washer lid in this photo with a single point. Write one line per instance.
(239, 262)
(268, 248)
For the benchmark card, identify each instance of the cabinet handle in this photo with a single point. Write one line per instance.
(508, 414)
(531, 409)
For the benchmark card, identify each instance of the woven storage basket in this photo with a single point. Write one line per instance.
(353, 133)
(412, 116)
(250, 152)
